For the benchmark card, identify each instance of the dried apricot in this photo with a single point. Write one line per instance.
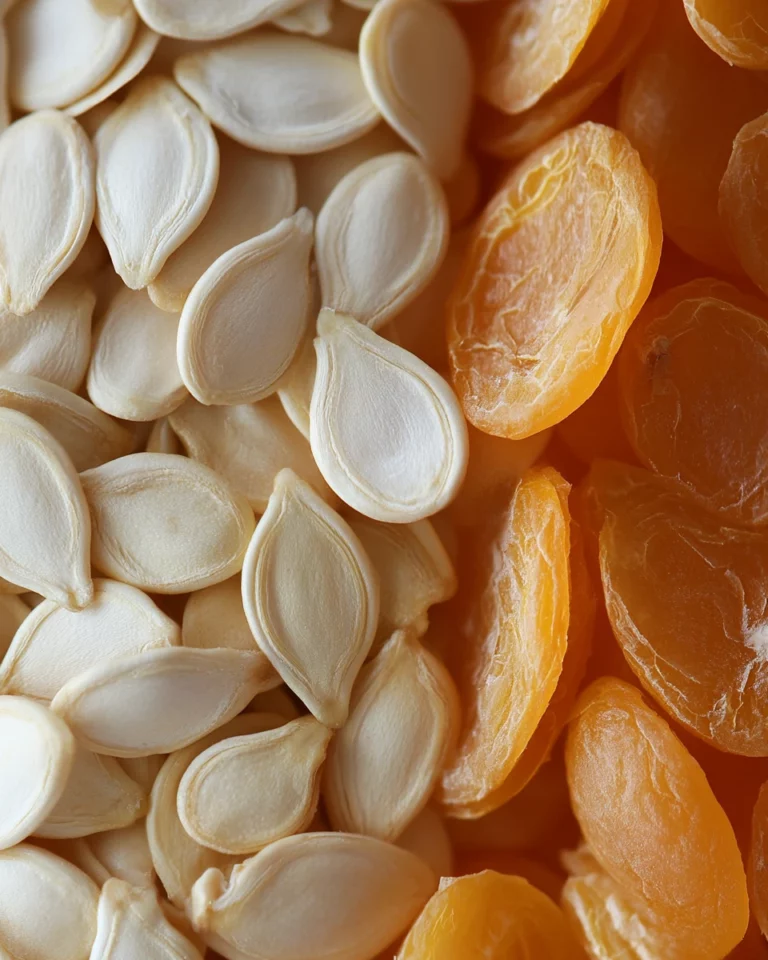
(558, 266)
(594, 431)
(744, 199)
(512, 625)
(685, 595)
(489, 916)
(690, 370)
(681, 107)
(737, 30)
(758, 860)
(538, 874)
(654, 826)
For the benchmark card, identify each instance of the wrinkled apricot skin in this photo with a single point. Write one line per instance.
(691, 370)
(652, 823)
(743, 200)
(490, 916)
(558, 266)
(512, 620)
(736, 30)
(685, 596)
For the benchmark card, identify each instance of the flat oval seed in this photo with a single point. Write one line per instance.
(131, 925)
(245, 792)
(295, 389)
(157, 165)
(46, 204)
(53, 342)
(417, 68)
(381, 237)
(45, 528)
(254, 193)
(124, 854)
(428, 838)
(165, 523)
(138, 55)
(133, 373)
(247, 315)
(415, 467)
(36, 755)
(160, 700)
(311, 597)
(60, 52)
(312, 17)
(54, 644)
(163, 439)
(178, 860)
(383, 764)
(190, 20)
(414, 571)
(143, 770)
(350, 878)
(279, 93)
(49, 906)
(214, 617)
(89, 437)
(99, 795)
(248, 444)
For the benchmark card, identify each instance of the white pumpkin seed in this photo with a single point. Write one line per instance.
(162, 438)
(313, 18)
(60, 52)
(247, 315)
(383, 765)
(157, 165)
(143, 770)
(403, 454)
(247, 444)
(311, 596)
(295, 391)
(54, 644)
(254, 193)
(190, 20)
(381, 237)
(49, 906)
(45, 529)
(46, 204)
(282, 94)
(165, 523)
(428, 838)
(214, 617)
(133, 373)
(124, 853)
(245, 792)
(36, 755)
(429, 106)
(350, 877)
(160, 700)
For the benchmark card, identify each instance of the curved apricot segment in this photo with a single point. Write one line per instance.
(758, 860)
(737, 30)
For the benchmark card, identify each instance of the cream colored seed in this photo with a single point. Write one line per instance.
(248, 444)
(245, 792)
(99, 795)
(295, 390)
(54, 645)
(124, 853)
(384, 764)
(311, 597)
(53, 342)
(143, 770)
(214, 617)
(160, 700)
(381, 237)
(46, 205)
(254, 193)
(280, 93)
(403, 454)
(49, 906)
(351, 877)
(60, 52)
(178, 859)
(157, 166)
(131, 924)
(45, 528)
(427, 837)
(313, 18)
(36, 755)
(247, 315)
(165, 523)
(162, 438)
(133, 373)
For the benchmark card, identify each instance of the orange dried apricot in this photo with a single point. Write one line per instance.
(691, 369)
(685, 595)
(758, 860)
(671, 863)
(744, 199)
(595, 431)
(490, 916)
(558, 266)
(737, 30)
(511, 639)
(681, 107)
(538, 874)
